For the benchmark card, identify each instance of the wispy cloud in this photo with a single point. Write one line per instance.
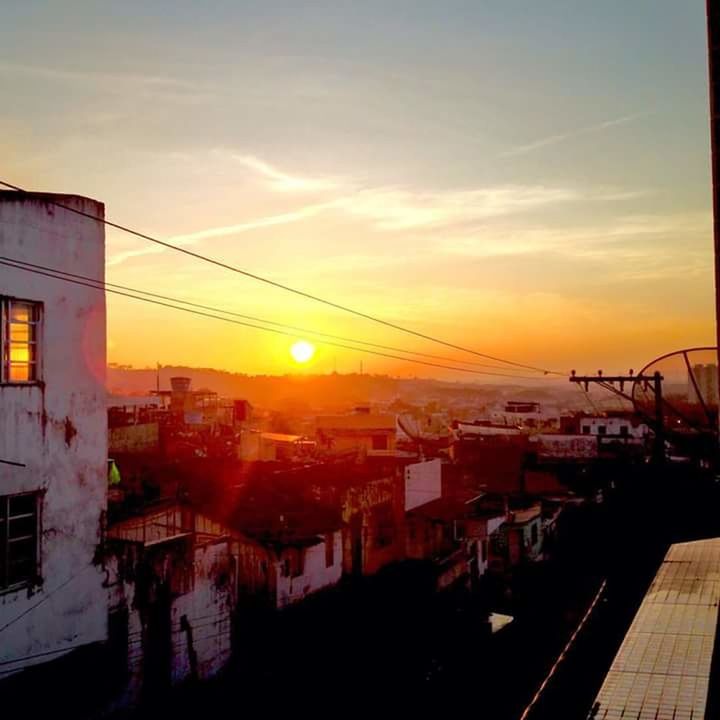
(632, 237)
(561, 137)
(396, 209)
(223, 231)
(284, 182)
(157, 86)
(384, 209)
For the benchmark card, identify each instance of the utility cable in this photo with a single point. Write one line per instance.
(103, 288)
(281, 286)
(301, 330)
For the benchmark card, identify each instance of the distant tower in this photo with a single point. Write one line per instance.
(706, 379)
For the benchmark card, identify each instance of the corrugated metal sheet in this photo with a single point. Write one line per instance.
(662, 669)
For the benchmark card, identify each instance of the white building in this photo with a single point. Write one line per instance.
(53, 422)
(613, 427)
(528, 415)
(423, 483)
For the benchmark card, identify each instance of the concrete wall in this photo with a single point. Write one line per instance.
(423, 483)
(200, 643)
(208, 612)
(316, 573)
(58, 428)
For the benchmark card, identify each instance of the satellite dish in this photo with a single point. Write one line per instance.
(690, 390)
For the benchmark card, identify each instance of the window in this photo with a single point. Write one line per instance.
(601, 429)
(384, 525)
(292, 564)
(379, 442)
(586, 429)
(20, 341)
(624, 430)
(18, 539)
(329, 550)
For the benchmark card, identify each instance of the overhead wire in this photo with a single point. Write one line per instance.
(304, 331)
(281, 286)
(100, 285)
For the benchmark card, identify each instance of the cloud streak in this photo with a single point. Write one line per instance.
(383, 209)
(283, 182)
(561, 137)
(223, 231)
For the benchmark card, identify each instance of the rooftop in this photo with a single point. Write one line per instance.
(61, 198)
(662, 669)
(358, 421)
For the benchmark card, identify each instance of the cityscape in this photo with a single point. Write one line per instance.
(429, 426)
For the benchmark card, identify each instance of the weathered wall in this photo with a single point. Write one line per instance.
(362, 502)
(316, 573)
(200, 618)
(207, 630)
(58, 428)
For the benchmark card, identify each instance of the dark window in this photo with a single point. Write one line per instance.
(602, 430)
(384, 525)
(624, 430)
(18, 540)
(586, 429)
(379, 442)
(329, 550)
(292, 565)
(20, 341)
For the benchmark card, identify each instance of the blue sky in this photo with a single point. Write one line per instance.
(539, 170)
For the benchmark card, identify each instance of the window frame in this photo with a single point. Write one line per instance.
(6, 518)
(36, 339)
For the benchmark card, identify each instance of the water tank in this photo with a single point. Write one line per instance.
(180, 384)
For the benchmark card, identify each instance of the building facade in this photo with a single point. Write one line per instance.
(53, 424)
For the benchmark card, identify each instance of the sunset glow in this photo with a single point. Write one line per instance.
(460, 216)
(302, 351)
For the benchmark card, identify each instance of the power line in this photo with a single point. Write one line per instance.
(304, 331)
(44, 599)
(281, 286)
(563, 654)
(102, 287)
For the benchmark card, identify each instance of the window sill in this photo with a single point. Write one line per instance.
(34, 383)
(18, 587)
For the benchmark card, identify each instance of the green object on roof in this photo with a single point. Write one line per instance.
(113, 473)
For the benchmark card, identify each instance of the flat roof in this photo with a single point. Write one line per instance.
(62, 198)
(357, 421)
(662, 669)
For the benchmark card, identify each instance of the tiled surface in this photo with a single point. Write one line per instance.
(662, 669)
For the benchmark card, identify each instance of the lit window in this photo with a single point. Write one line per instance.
(20, 341)
(18, 540)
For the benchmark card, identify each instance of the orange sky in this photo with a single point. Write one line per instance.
(534, 185)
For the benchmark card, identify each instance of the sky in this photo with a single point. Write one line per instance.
(527, 179)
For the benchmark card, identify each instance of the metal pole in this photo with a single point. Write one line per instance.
(713, 29)
(659, 419)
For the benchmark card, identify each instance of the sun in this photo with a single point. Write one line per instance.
(302, 351)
